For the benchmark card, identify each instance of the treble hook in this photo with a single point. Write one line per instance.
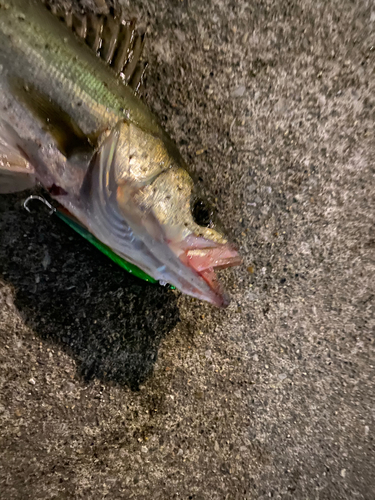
(39, 198)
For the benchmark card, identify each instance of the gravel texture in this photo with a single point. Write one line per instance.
(113, 388)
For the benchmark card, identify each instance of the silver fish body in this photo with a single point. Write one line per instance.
(69, 122)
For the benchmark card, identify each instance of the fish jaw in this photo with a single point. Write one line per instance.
(218, 257)
(204, 258)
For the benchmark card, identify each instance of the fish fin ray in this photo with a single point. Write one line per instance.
(16, 173)
(134, 59)
(93, 39)
(80, 25)
(137, 80)
(114, 39)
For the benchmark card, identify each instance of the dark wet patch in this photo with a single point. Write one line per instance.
(70, 294)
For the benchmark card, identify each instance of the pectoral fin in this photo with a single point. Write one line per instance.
(16, 173)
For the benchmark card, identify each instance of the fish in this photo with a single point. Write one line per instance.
(72, 120)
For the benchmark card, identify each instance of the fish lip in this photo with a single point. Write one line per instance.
(221, 256)
(205, 261)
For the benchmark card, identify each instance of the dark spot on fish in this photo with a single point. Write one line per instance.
(57, 190)
(79, 104)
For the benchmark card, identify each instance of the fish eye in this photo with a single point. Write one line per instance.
(202, 213)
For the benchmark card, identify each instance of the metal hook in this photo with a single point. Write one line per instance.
(39, 198)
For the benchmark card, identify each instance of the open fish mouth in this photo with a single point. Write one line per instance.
(206, 260)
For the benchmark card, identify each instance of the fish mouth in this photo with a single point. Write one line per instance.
(205, 258)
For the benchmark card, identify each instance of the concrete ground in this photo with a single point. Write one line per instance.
(113, 388)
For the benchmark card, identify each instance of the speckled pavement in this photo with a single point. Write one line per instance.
(113, 388)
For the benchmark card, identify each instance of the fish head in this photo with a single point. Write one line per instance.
(174, 229)
(176, 216)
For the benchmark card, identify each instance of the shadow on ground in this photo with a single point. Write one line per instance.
(70, 294)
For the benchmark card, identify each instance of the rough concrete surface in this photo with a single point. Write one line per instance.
(113, 388)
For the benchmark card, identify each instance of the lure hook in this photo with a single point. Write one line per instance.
(41, 199)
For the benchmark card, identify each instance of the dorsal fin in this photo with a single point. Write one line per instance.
(112, 38)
